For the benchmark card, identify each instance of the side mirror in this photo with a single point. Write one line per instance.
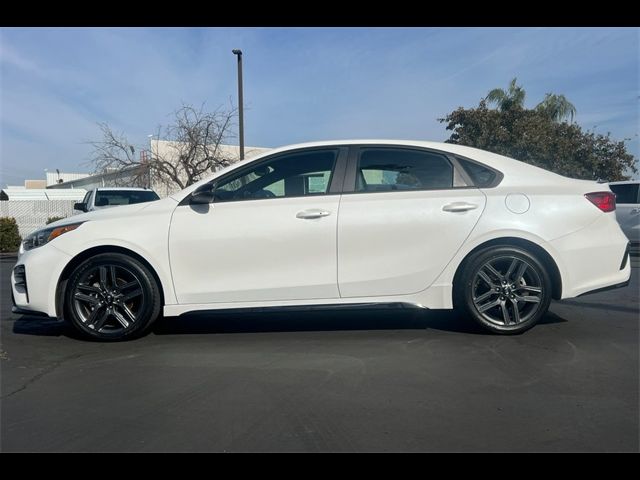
(80, 206)
(203, 194)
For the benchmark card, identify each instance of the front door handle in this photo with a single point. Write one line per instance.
(635, 211)
(459, 207)
(311, 214)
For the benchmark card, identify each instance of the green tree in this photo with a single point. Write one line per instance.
(9, 236)
(512, 97)
(557, 107)
(532, 136)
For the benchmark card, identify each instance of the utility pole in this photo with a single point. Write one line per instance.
(238, 53)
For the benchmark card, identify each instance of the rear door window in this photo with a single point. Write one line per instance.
(382, 169)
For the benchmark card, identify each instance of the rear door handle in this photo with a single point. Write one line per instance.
(635, 211)
(459, 207)
(311, 214)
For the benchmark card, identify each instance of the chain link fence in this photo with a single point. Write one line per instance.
(31, 215)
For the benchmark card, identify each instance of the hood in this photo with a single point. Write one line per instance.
(110, 212)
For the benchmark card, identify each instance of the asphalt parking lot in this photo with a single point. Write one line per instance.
(365, 380)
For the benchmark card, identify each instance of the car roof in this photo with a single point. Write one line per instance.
(515, 172)
(494, 160)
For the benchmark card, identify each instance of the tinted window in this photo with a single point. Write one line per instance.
(479, 174)
(293, 175)
(625, 193)
(124, 197)
(386, 169)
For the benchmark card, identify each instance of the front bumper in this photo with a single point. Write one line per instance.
(21, 311)
(34, 291)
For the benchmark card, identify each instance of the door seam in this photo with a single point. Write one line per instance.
(337, 246)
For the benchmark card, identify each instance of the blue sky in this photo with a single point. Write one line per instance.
(301, 84)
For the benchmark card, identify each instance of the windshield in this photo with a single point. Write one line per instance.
(124, 197)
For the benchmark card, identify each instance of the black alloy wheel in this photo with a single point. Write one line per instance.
(505, 289)
(111, 297)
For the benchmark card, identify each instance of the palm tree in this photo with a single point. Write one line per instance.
(557, 107)
(507, 99)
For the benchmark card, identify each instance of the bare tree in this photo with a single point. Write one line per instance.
(192, 149)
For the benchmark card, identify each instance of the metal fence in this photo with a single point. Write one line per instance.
(31, 215)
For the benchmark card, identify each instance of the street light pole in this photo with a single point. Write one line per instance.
(238, 53)
(148, 158)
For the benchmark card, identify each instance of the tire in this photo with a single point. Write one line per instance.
(496, 281)
(103, 310)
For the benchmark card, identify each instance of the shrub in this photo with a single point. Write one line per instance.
(53, 219)
(9, 236)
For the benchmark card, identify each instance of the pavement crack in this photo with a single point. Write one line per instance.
(43, 373)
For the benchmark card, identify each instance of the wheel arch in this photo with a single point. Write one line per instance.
(90, 252)
(533, 248)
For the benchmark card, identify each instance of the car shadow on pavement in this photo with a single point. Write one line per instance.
(601, 306)
(382, 318)
(43, 326)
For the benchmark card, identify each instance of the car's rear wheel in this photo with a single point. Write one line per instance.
(112, 296)
(505, 289)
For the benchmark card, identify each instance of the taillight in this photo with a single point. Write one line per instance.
(605, 201)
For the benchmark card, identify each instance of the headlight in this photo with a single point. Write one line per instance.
(41, 237)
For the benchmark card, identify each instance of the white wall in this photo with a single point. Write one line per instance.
(53, 177)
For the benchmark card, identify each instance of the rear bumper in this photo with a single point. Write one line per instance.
(593, 258)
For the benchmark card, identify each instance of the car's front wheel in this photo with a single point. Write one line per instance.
(505, 289)
(111, 296)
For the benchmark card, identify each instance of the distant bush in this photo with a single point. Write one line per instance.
(9, 236)
(53, 219)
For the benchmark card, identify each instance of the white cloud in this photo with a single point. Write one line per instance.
(9, 57)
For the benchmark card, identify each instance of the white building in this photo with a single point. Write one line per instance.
(54, 178)
(32, 204)
(168, 149)
(163, 148)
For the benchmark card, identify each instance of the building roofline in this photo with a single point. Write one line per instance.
(93, 178)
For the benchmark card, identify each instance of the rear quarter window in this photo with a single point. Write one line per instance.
(480, 175)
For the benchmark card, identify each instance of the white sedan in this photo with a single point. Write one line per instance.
(431, 225)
